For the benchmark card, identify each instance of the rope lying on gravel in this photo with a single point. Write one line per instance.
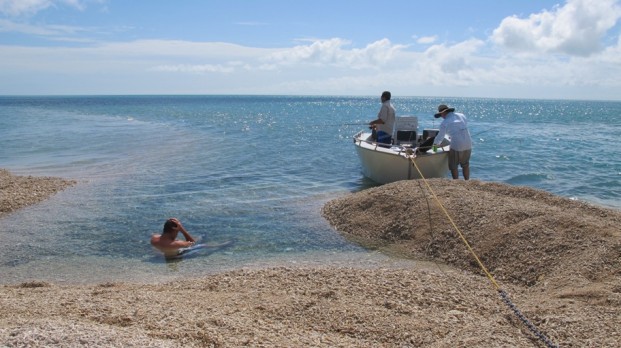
(503, 294)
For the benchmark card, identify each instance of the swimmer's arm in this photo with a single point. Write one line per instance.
(186, 235)
(181, 244)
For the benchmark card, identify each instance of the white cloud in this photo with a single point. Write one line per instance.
(201, 69)
(142, 57)
(16, 8)
(186, 52)
(562, 61)
(176, 56)
(612, 54)
(454, 64)
(333, 52)
(23, 7)
(39, 30)
(427, 39)
(320, 67)
(577, 28)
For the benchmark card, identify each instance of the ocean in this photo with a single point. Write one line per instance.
(255, 170)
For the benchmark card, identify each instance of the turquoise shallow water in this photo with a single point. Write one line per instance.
(253, 169)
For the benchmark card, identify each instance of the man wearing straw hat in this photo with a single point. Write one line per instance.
(455, 125)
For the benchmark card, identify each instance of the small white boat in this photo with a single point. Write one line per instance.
(385, 163)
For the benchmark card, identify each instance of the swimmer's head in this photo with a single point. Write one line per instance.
(170, 226)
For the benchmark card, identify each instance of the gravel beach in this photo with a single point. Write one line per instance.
(20, 191)
(558, 259)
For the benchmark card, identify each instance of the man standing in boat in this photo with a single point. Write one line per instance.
(385, 120)
(455, 125)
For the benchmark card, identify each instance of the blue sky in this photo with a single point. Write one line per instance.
(480, 48)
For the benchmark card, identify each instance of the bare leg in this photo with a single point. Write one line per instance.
(455, 173)
(466, 172)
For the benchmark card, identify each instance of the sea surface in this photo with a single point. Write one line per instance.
(255, 170)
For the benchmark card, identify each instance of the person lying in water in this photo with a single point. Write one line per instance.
(167, 241)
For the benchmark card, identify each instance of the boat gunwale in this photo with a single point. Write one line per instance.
(399, 151)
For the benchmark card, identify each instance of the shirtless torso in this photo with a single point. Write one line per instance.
(167, 241)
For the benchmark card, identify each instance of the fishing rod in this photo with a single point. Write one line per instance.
(344, 124)
(366, 124)
(487, 130)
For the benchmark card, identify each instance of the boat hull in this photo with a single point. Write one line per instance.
(385, 165)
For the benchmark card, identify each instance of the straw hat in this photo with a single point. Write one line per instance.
(442, 108)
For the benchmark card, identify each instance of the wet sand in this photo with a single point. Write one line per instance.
(558, 259)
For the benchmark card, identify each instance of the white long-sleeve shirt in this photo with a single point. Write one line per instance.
(455, 125)
(386, 114)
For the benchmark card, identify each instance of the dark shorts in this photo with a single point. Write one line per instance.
(461, 158)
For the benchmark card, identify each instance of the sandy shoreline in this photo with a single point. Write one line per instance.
(559, 260)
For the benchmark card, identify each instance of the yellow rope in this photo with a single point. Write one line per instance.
(491, 278)
(503, 294)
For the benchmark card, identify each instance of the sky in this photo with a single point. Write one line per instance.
(454, 48)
